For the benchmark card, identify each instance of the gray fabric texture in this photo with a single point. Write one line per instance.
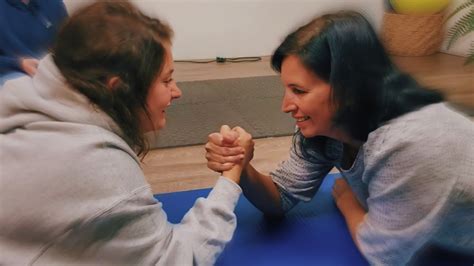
(72, 191)
(415, 177)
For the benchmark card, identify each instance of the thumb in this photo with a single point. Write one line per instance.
(239, 130)
(229, 136)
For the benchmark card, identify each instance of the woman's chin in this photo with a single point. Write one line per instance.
(153, 127)
(307, 133)
(161, 124)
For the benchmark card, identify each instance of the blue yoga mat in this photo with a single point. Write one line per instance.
(312, 233)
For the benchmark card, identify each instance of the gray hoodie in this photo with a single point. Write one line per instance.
(72, 190)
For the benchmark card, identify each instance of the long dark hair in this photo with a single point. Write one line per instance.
(366, 88)
(107, 39)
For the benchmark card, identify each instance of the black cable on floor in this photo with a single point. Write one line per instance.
(224, 59)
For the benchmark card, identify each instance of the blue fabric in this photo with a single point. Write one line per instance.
(27, 30)
(312, 233)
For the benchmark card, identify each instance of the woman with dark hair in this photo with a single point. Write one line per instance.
(72, 189)
(406, 158)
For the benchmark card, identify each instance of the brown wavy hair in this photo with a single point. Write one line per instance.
(114, 39)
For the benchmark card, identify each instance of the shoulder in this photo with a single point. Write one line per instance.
(49, 3)
(92, 158)
(434, 133)
(436, 125)
(53, 7)
(109, 157)
(318, 149)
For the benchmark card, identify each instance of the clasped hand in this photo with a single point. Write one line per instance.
(229, 148)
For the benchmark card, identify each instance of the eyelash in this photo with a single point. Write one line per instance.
(168, 81)
(297, 91)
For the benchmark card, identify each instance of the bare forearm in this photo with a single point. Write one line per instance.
(260, 190)
(354, 215)
(234, 174)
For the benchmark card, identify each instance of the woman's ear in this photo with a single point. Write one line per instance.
(113, 82)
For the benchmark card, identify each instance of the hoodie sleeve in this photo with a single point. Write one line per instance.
(136, 231)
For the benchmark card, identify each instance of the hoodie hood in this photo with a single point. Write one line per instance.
(47, 97)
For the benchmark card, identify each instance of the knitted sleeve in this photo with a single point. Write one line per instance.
(299, 177)
(410, 174)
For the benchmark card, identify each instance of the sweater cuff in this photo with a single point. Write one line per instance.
(226, 192)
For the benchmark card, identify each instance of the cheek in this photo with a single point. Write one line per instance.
(320, 109)
(157, 99)
(325, 101)
(318, 105)
(327, 111)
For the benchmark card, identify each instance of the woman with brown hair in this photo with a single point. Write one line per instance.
(72, 190)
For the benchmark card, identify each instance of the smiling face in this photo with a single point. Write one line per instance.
(307, 98)
(162, 92)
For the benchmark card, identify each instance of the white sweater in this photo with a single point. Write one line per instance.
(414, 176)
(72, 191)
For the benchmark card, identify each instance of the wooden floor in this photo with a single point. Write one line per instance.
(184, 168)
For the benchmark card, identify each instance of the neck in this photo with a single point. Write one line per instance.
(356, 144)
(347, 139)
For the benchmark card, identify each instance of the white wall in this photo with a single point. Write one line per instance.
(232, 28)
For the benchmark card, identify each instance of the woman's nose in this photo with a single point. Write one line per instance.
(176, 92)
(287, 105)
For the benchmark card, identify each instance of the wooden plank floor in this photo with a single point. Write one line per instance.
(184, 168)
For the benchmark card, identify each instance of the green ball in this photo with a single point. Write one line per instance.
(419, 7)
